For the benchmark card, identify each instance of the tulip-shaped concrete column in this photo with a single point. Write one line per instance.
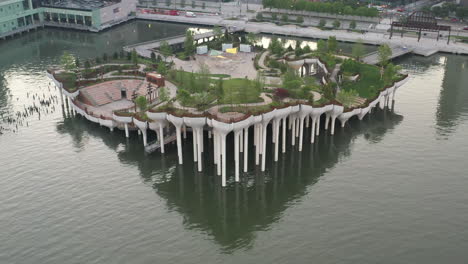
(222, 129)
(344, 117)
(142, 126)
(161, 121)
(305, 111)
(266, 118)
(315, 115)
(238, 128)
(257, 139)
(177, 122)
(197, 124)
(280, 117)
(337, 110)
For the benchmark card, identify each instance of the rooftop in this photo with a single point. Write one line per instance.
(77, 4)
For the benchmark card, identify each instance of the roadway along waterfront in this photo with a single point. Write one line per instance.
(389, 189)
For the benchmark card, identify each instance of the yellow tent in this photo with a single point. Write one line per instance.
(232, 51)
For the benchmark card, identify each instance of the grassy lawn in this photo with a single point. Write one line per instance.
(240, 91)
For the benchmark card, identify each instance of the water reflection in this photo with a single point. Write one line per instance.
(232, 215)
(453, 95)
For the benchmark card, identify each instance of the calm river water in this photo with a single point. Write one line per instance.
(392, 188)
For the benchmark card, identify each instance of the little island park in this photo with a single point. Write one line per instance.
(228, 84)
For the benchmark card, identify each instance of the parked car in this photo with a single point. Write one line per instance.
(465, 28)
(190, 14)
(401, 10)
(454, 20)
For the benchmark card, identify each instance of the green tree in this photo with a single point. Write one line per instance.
(218, 32)
(141, 102)
(77, 63)
(220, 88)
(384, 53)
(153, 56)
(67, 61)
(121, 54)
(189, 43)
(274, 16)
(87, 65)
(352, 25)
(332, 44)
(134, 57)
(104, 57)
(162, 68)
(322, 46)
(300, 19)
(252, 38)
(347, 98)
(129, 56)
(165, 49)
(298, 51)
(322, 23)
(390, 73)
(115, 56)
(336, 23)
(275, 46)
(358, 50)
(193, 4)
(163, 94)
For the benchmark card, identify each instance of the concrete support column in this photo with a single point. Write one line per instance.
(307, 121)
(236, 154)
(195, 139)
(312, 134)
(333, 118)
(126, 130)
(185, 131)
(219, 151)
(318, 125)
(200, 148)
(241, 139)
(276, 125)
(215, 148)
(179, 144)
(297, 126)
(257, 145)
(327, 120)
(161, 138)
(284, 135)
(293, 132)
(301, 132)
(246, 148)
(264, 133)
(145, 139)
(223, 140)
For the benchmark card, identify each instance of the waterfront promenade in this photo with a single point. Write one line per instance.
(424, 46)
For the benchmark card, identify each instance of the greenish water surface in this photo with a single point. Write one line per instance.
(392, 188)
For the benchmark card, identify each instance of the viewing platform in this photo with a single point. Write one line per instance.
(397, 51)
